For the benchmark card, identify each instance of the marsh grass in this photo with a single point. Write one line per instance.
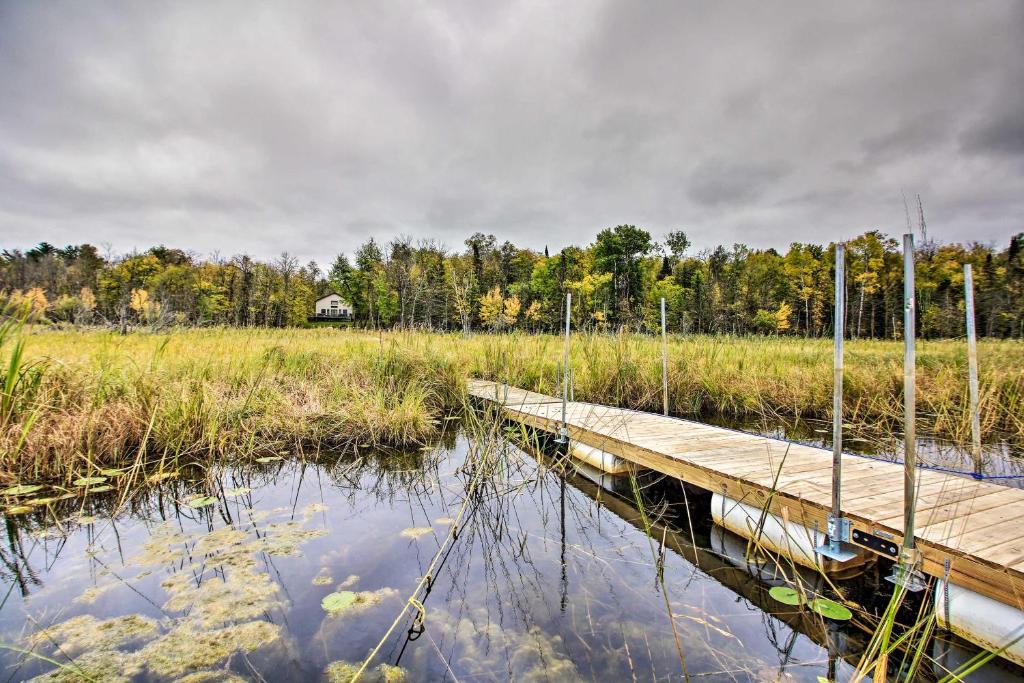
(86, 400)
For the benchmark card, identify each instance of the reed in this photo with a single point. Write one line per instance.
(81, 400)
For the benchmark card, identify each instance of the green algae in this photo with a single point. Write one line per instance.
(242, 595)
(186, 649)
(86, 633)
(284, 538)
(109, 666)
(216, 605)
(211, 677)
(344, 672)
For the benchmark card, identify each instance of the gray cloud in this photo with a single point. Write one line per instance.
(307, 127)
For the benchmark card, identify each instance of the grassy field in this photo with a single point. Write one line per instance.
(84, 400)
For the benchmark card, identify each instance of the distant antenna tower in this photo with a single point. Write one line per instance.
(920, 221)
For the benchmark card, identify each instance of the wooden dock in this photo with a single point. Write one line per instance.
(977, 526)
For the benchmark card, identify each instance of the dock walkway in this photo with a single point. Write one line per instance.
(977, 526)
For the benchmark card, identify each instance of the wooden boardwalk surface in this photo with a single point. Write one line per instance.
(977, 526)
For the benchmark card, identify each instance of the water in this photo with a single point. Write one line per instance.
(549, 578)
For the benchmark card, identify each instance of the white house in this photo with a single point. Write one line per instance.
(332, 306)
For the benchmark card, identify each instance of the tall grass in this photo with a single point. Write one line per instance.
(228, 393)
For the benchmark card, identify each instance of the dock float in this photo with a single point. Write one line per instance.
(974, 528)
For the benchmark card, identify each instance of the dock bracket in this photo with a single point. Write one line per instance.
(906, 573)
(838, 546)
(563, 434)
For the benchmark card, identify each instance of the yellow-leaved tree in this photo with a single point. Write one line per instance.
(492, 307)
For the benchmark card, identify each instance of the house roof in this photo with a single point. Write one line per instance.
(330, 294)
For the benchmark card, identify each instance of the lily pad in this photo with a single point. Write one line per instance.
(201, 501)
(239, 491)
(111, 473)
(830, 609)
(89, 481)
(338, 602)
(269, 458)
(100, 489)
(18, 509)
(786, 595)
(22, 489)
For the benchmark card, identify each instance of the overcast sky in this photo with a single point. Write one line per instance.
(264, 127)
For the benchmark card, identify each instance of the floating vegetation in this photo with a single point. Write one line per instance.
(313, 509)
(85, 632)
(89, 481)
(90, 594)
(831, 609)
(161, 476)
(214, 609)
(186, 649)
(238, 491)
(111, 472)
(322, 579)
(22, 489)
(36, 502)
(349, 581)
(284, 538)
(18, 509)
(417, 531)
(211, 677)
(269, 458)
(201, 501)
(444, 521)
(100, 489)
(334, 603)
(347, 602)
(344, 672)
(787, 595)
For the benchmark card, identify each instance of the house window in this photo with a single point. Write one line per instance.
(323, 311)
(334, 304)
(344, 311)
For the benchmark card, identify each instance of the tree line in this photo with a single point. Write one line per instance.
(616, 282)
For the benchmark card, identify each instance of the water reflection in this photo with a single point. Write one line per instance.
(551, 577)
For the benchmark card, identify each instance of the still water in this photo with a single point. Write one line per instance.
(550, 578)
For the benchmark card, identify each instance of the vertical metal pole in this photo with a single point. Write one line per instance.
(972, 367)
(664, 360)
(838, 547)
(838, 333)
(563, 434)
(909, 392)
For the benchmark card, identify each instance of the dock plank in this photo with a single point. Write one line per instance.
(973, 524)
